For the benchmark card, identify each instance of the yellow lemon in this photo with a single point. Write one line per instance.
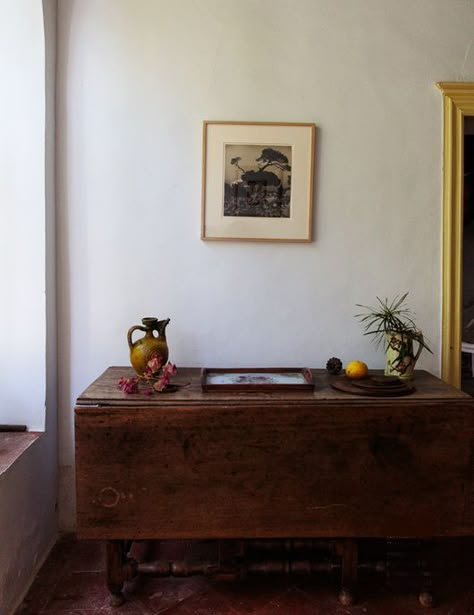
(357, 369)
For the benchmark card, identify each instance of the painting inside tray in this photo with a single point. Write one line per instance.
(255, 378)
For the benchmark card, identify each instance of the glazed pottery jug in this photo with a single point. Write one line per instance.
(148, 346)
(401, 358)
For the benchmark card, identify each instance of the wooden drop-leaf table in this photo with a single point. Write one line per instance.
(266, 465)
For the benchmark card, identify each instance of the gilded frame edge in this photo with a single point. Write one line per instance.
(458, 101)
(309, 237)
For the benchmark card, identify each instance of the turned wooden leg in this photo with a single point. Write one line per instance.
(115, 550)
(347, 595)
(427, 599)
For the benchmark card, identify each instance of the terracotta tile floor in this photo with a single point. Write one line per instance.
(72, 582)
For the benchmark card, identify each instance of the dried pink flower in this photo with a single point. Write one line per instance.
(128, 385)
(162, 382)
(154, 364)
(155, 377)
(170, 368)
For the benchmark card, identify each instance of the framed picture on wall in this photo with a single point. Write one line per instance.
(257, 181)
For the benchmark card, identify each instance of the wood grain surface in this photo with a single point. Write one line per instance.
(305, 464)
(104, 391)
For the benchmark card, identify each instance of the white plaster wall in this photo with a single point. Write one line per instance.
(28, 489)
(136, 80)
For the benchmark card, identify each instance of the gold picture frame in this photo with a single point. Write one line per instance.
(257, 182)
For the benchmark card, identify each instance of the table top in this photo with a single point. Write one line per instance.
(105, 392)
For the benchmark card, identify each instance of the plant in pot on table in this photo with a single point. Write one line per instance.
(391, 322)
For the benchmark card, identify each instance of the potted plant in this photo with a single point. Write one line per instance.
(391, 322)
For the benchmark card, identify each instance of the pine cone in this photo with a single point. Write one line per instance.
(334, 365)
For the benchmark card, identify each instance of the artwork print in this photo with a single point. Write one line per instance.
(256, 378)
(257, 180)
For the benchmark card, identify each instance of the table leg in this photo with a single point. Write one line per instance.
(427, 599)
(347, 595)
(426, 596)
(115, 551)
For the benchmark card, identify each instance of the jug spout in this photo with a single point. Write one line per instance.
(161, 327)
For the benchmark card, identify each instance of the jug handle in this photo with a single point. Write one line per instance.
(130, 333)
(420, 345)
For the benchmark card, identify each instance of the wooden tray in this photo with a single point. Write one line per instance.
(378, 382)
(381, 383)
(257, 379)
(371, 387)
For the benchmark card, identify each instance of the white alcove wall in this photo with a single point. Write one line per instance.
(28, 383)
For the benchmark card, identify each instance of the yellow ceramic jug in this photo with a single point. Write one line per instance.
(148, 346)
